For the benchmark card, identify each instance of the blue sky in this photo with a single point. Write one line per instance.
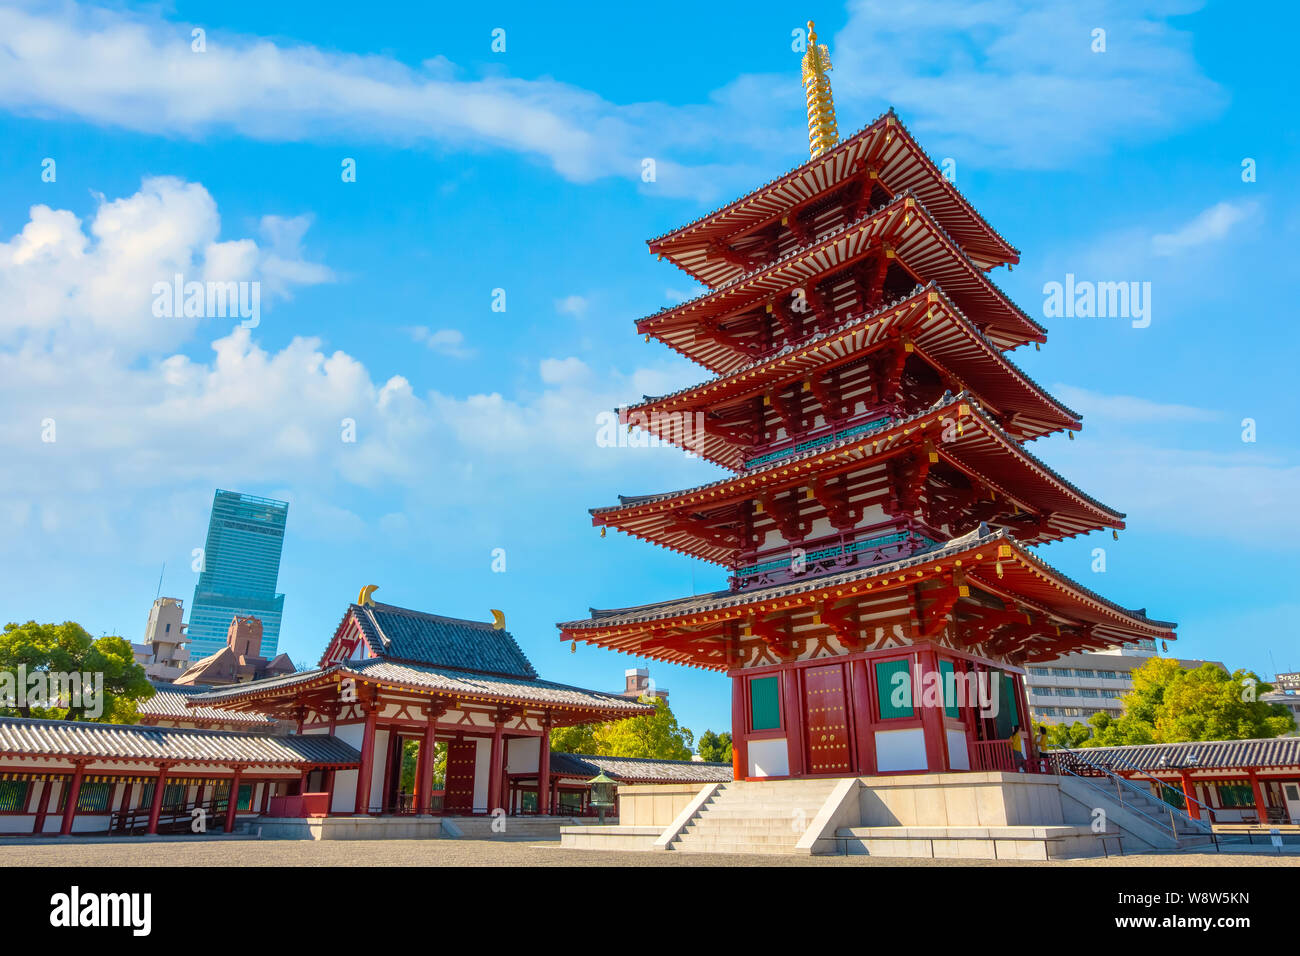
(520, 170)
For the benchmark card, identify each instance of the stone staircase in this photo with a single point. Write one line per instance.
(1146, 822)
(754, 817)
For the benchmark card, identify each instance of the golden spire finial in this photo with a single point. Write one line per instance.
(822, 131)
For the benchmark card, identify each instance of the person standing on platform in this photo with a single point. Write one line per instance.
(1017, 748)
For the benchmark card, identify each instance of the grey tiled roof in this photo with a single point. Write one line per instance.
(172, 702)
(64, 738)
(443, 680)
(640, 769)
(1200, 755)
(399, 632)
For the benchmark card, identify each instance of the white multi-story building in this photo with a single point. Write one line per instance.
(1286, 691)
(165, 654)
(1076, 686)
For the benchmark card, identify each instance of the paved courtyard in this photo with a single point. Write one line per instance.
(191, 851)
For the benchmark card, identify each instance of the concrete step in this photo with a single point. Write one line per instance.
(745, 848)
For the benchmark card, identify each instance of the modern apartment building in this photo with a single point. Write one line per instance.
(1076, 686)
(164, 654)
(241, 565)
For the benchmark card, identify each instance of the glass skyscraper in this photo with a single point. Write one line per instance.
(241, 563)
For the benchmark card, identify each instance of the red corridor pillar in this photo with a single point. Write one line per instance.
(494, 770)
(425, 787)
(70, 804)
(739, 750)
(233, 801)
(544, 769)
(367, 770)
(155, 808)
(1189, 796)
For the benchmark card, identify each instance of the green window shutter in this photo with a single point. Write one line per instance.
(764, 706)
(13, 794)
(245, 801)
(93, 797)
(891, 691)
(1008, 715)
(947, 674)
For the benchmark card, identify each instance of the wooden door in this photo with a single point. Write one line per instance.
(826, 720)
(458, 786)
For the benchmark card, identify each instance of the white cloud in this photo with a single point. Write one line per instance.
(1128, 408)
(137, 71)
(954, 70)
(574, 305)
(1209, 226)
(135, 419)
(1015, 83)
(450, 342)
(62, 287)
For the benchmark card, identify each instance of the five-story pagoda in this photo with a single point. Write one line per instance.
(881, 507)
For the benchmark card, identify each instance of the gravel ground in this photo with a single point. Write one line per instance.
(187, 851)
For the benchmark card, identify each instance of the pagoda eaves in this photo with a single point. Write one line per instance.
(884, 145)
(900, 234)
(939, 334)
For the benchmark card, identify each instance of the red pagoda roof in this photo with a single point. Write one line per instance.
(902, 225)
(940, 333)
(994, 563)
(884, 145)
(981, 450)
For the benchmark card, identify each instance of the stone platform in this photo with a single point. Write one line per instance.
(346, 828)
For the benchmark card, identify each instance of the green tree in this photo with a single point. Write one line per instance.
(1207, 704)
(67, 648)
(652, 735)
(1066, 736)
(715, 747)
(1171, 704)
(578, 739)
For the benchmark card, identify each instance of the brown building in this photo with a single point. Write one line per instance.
(240, 661)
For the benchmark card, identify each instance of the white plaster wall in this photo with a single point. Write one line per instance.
(769, 758)
(345, 792)
(522, 754)
(958, 755)
(18, 823)
(482, 761)
(900, 750)
(378, 768)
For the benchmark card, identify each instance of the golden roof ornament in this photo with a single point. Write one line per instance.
(364, 598)
(822, 130)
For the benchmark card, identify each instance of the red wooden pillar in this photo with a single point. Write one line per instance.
(936, 747)
(366, 772)
(70, 804)
(792, 704)
(234, 800)
(544, 768)
(47, 799)
(1189, 796)
(329, 790)
(126, 800)
(1261, 805)
(739, 726)
(864, 713)
(155, 809)
(425, 786)
(494, 769)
